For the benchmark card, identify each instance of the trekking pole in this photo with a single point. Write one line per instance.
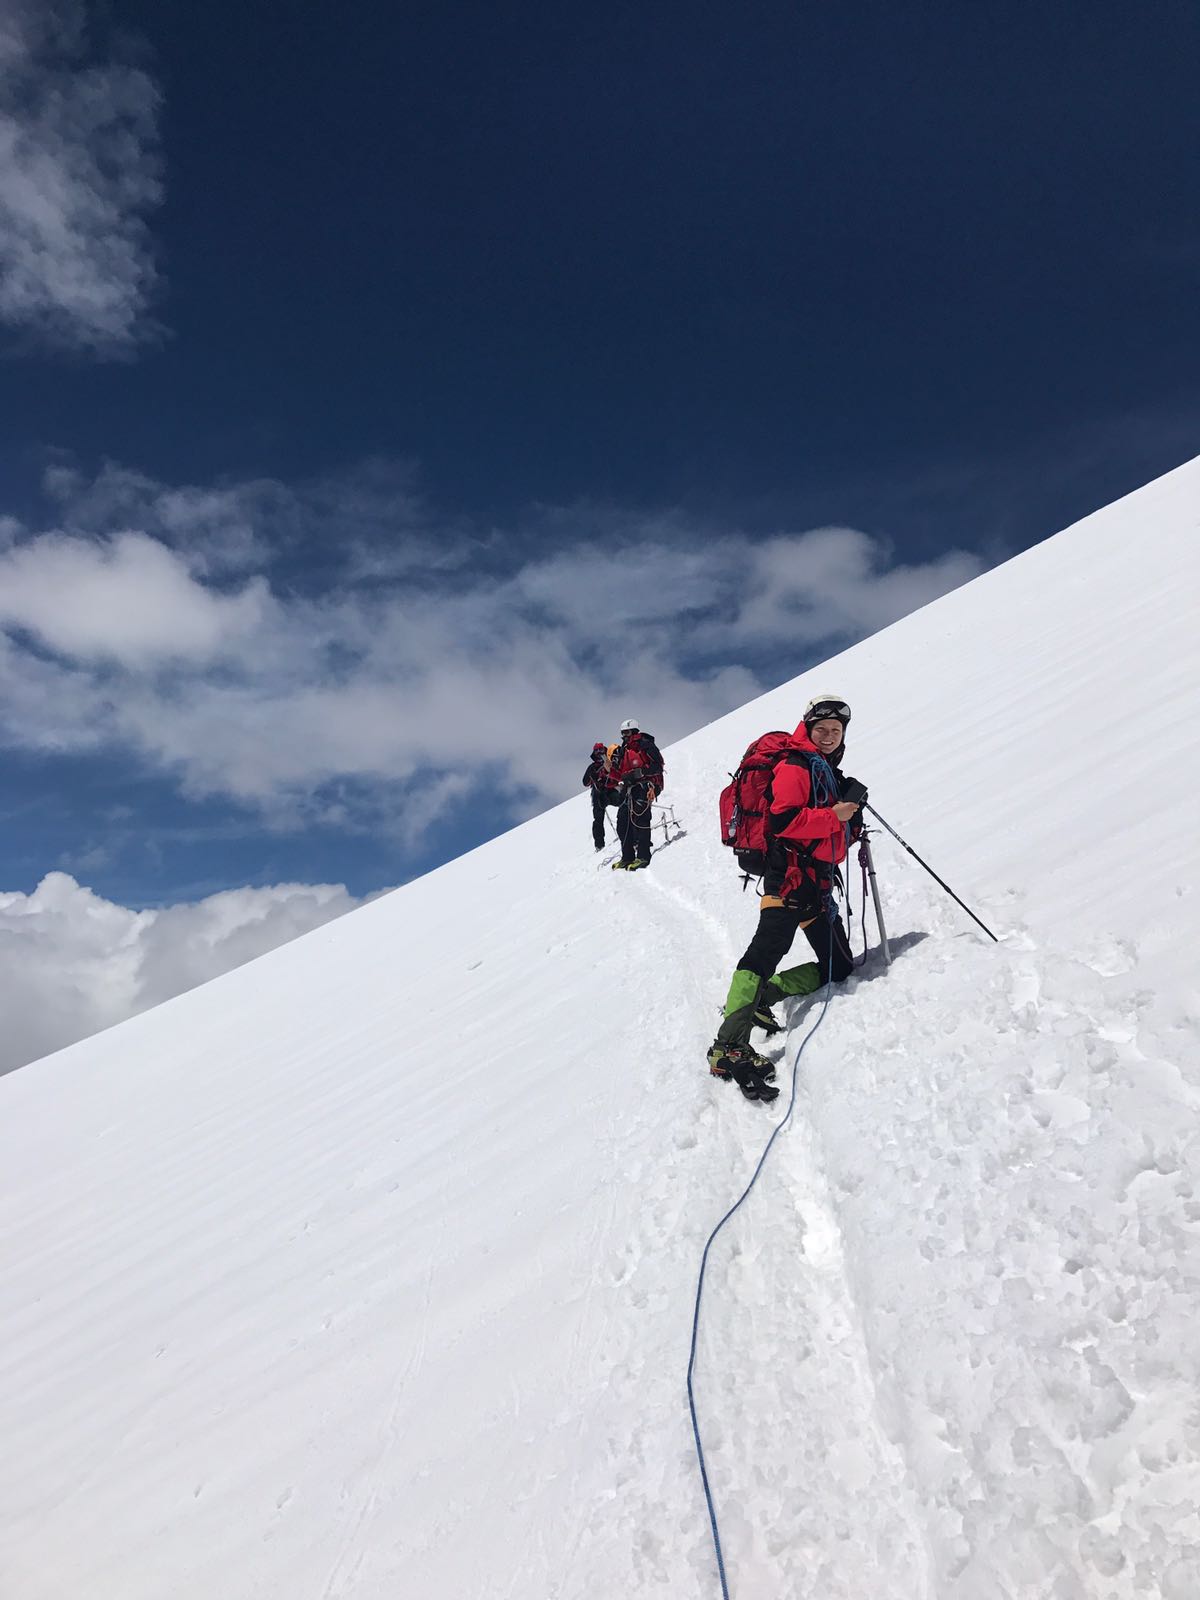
(864, 847)
(929, 870)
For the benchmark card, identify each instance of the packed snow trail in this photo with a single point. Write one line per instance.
(1008, 1434)
(898, 1553)
(367, 1270)
(1028, 1325)
(777, 1285)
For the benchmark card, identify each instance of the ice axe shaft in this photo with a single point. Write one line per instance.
(884, 823)
(869, 859)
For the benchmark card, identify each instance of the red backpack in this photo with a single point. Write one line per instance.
(639, 757)
(746, 799)
(635, 758)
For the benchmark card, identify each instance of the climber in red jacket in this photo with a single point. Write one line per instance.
(809, 828)
(599, 780)
(637, 768)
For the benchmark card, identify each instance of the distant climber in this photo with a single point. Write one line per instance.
(604, 792)
(636, 768)
(792, 790)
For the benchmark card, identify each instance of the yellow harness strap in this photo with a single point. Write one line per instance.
(770, 901)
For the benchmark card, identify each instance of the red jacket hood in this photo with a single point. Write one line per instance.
(801, 736)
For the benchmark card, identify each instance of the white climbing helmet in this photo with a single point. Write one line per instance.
(826, 705)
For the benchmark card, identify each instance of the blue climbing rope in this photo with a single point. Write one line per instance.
(775, 1132)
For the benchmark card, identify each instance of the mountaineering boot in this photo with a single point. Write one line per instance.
(754, 1085)
(634, 865)
(722, 1055)
(753, 1074)
(621, 866)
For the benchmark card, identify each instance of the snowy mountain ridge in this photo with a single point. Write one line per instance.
(367, 1269)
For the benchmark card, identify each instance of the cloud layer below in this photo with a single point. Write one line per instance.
(335, 652)
(72, 963)
(185, 629)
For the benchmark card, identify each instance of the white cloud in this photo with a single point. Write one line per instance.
(72, 963)
(637, 579)
(425, 665)
(371, 520)
(79, 168)
(836, 583)
(382, 701)
(129, 600)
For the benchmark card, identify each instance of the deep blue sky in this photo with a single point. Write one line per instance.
(926, 270)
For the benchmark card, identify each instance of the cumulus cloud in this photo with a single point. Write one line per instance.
(334, 652)
(422, 662)
(369, 524)
(72, 963)
(79, 170)
(836, 584)
(128, 600)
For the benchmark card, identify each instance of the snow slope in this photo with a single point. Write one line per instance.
(367, 1270)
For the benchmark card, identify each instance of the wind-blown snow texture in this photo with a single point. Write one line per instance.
(367, 1270)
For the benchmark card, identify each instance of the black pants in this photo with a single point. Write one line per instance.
(600, 804)
(633, 823)
(773, 937)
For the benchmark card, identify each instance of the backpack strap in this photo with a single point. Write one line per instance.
(805, 853)
(794, 758)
